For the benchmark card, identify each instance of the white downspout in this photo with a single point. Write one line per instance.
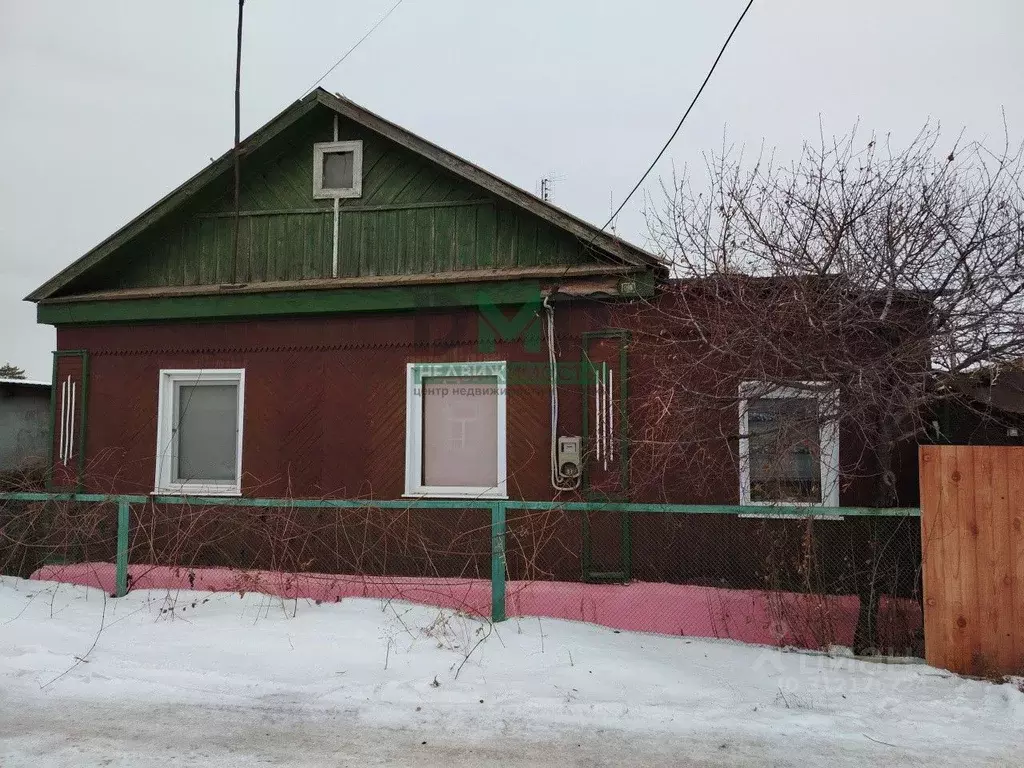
(337, 215)
(556, 474)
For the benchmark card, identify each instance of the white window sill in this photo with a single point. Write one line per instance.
(197, 490)
(338, 192)
(447, 493)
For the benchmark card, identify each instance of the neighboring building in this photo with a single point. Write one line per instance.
(380, 333)
(987, 408)
(24, 424)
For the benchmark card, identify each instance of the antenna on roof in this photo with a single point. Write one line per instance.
(547, 184)
(611, 210)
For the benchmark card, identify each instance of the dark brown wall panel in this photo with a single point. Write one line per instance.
(325, 403)
(325, 398)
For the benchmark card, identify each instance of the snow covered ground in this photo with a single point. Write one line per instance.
(216, 679)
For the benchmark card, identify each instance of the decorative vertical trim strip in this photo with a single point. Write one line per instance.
(599, 429)
(68, 412)
(611, 415)
(61, 456)
(71, 419)
(605, 434)
(597, 412)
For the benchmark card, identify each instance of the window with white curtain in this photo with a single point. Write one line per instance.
(455, 429)
(199, 431)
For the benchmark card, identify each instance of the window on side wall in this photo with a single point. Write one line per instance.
(455, 430)
(789, 444)
(199, 432)
(337, 169)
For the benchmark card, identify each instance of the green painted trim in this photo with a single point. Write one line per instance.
(624, 409)
(586, 558)
(499, 563)
(123, 521)
(236, 501)
(420, 503)
(80, 473)
(627, 545)
(799, 513)
(287, 303)
(84, 421)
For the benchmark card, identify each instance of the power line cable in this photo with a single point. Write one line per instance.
(359, 42)
(682, 119)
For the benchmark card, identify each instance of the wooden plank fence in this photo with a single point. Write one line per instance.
(972, 542)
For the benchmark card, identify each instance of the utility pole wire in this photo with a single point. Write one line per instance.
(682, 119)
(238, 139)
(347, 53)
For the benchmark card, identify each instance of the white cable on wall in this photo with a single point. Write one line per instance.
(557, 478)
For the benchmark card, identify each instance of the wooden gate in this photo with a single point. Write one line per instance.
(972, 542)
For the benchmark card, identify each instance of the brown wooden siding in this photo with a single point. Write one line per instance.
(325, 398)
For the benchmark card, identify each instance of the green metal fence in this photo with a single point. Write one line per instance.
(497, 508)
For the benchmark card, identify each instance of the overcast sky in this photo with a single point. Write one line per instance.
(107, 106)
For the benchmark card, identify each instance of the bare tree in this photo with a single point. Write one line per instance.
(861, 277)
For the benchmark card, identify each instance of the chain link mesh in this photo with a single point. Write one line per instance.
(811, 583)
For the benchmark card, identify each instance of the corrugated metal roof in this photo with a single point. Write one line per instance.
(26, 382)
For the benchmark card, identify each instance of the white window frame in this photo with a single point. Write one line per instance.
(166, 437)
(415, 372)
(828, 438)
(322, 148)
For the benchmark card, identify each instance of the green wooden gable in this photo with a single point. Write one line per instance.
(422, 212)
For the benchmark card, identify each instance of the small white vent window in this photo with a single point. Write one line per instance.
(337, 169)
(199, 432)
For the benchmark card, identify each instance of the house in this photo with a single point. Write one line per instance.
(24, 425)
(383, 319)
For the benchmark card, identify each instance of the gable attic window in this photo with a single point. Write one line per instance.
(199, 432)
(455, 430)
(337, 169)
(789, 444)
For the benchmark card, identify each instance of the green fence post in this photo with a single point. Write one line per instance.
(123, 509)
(498, 561)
